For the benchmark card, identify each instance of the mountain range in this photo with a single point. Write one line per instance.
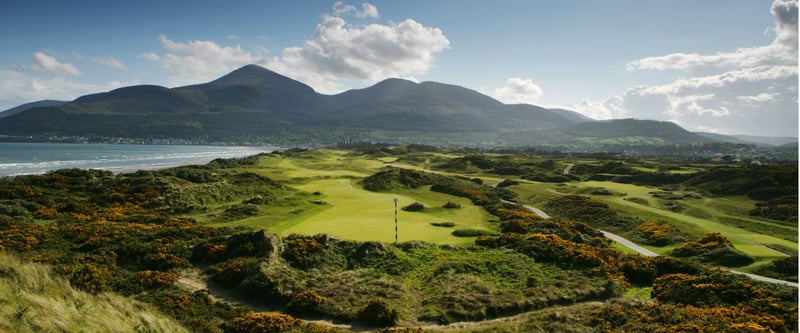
(253, 102)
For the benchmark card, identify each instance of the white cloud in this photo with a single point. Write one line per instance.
(367, 10)
(609, 109)
(17, 88)
(518, 90)
(369, 53)
(760, 98)
(110, 62)
(750, 90)
(47, 64)
(199, 61)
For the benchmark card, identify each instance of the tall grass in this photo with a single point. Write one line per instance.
(33, 299)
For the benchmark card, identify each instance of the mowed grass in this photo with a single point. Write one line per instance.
(357, 214)
(350, 212)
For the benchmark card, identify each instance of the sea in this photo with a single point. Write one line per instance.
(38, 158)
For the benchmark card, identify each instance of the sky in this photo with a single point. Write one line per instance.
(728, 67)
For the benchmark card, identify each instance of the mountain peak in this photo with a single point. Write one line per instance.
(248, 73)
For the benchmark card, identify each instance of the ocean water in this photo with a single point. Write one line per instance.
(37, 158)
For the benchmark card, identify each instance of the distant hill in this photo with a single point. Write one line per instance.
(23, 107)
(255, 103)
(772, 141)
(611, 132)
(751, 139)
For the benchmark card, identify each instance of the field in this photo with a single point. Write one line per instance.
(310, 234)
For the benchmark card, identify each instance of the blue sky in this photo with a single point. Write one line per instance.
(708, 65)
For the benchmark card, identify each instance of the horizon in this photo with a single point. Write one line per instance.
(733, 73)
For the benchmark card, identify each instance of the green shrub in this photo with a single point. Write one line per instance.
(507, 183)
(240, 211)
(474, 233)
(443, 224)
(414, 207)
(378, 313)
(451, 205)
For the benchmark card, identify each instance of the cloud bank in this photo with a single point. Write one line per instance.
(748, 90)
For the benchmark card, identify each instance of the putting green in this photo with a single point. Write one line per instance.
(357, 214)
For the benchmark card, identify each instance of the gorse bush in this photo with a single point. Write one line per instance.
(657, 233)
(230, 273)
(155, 279)
(306, 302)
(261, 322)
(299, 250)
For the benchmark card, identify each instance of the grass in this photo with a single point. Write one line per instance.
(638, 292)
(32, 299)
(356, 214)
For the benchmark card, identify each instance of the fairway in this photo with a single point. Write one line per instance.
(749, 242)
(357, 214)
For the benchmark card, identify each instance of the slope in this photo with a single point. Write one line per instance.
(36, 301)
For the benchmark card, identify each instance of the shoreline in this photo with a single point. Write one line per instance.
(37, 159)
(131, 169)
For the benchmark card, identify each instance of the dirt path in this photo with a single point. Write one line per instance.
(631, 245)
(568, 169)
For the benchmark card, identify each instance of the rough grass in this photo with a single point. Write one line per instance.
(428, 283)
(32, 299)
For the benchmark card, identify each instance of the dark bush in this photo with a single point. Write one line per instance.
(378, 313)
(306, 302)
(474, 233)
(507, 183)
(443, 224)
(414, 207)
(451, 205)
(240, 211)
(232, 272)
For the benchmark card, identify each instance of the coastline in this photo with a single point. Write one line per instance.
(32, 159)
